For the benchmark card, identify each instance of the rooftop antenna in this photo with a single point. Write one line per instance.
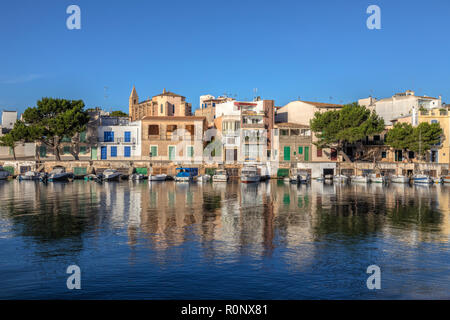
(255, 93)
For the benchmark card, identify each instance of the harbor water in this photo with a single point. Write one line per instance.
(272, 240)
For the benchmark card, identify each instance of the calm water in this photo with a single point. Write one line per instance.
(223, 241)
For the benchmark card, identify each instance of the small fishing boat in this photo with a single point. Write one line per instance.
(111, 175)
(204, 178)
(437, 180)
(29, 175)
(304, 177)
(293, 176)
(445, 179)
(4, 174)
(377, 178)
(360, 179)
(340, 178)
(186, 175)
(422, 179)
(59, 174)
(249, 174)
(220, 176)
(157, 177)
(90, 177)
(136, 176)
(399, 179)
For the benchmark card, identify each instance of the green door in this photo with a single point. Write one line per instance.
(94, 153)
(287, 153)
(42, 151)
(171, 153)
(306, 153)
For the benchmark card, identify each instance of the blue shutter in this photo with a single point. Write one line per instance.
(113, 151)
(103, 153)
(127, 136)
(127, 152)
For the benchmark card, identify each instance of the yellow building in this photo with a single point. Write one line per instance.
(441, 153)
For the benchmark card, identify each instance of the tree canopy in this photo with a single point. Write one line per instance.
(420, 139)
(118, 113)
(52, 119)
(347, 125)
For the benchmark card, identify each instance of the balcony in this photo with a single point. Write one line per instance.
(254, 126)
(172, 137)
(119, 140)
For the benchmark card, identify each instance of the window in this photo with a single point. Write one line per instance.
(153, 151)
(287, 154)
(284, 132)
(127, 152)
(376, 138)
(42, 151)
(411, 154)
(214, 104)
(153, 130)
(300, 150)
(434, 121)
(66, 149)
(319, 152)
(83, 136)
(383, 155)
(113, 151)
(127, 136)
(190, 151)
(108, 136)
(83, 150)
(162, 109)
(171, 153)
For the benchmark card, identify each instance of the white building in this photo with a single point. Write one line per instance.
(401, 104)
(119, 139)
(9, 118)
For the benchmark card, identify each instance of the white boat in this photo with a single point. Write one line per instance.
(29, 175)
(422, 179)
(204, 178)
(340, 178)
(186, 175)
(111, 175)
(303, 177)
(58, 174)
(136, 176)
(437, 180)
(250, 175)
(377, 178)
(157, 177)
(445, 179)
(360, 179)
(399, 179)
(220, 176)
(3, 174)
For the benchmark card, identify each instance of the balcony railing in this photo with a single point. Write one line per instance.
(119, 140)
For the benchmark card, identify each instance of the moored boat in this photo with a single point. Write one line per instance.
(340, 178)
(136, 176)
(360, 179)
(422, 179)
(186, 175)
(58, 174)
(220, 176)
(399, 179)
(157, 177)
(4, 174)
(111, 175)
(204, 178)
(377, 178)
(445, 179)
(29, 175)
(249, 174)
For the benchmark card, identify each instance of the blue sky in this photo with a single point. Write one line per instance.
(316, 50)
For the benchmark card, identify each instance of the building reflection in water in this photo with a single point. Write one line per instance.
(225, 219)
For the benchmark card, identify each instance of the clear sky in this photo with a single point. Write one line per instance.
(316, 50)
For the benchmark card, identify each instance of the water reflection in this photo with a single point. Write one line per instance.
(272, 221)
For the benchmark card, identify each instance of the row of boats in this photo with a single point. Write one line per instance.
(378, 178)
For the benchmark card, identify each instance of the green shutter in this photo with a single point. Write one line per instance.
(283, 173)
(306, 153)
(171, 152)
(287, 154)
(83, 136)
(154, 150)
(42, 151)
(83, 150)
(190, 151)
(141, 171)
(94, 153)
(66, 149)
(300, 150)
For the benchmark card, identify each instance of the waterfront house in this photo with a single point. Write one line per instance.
(401, 104)
(164, 104)
(208, 107)
(171, 140)
(118, 139)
